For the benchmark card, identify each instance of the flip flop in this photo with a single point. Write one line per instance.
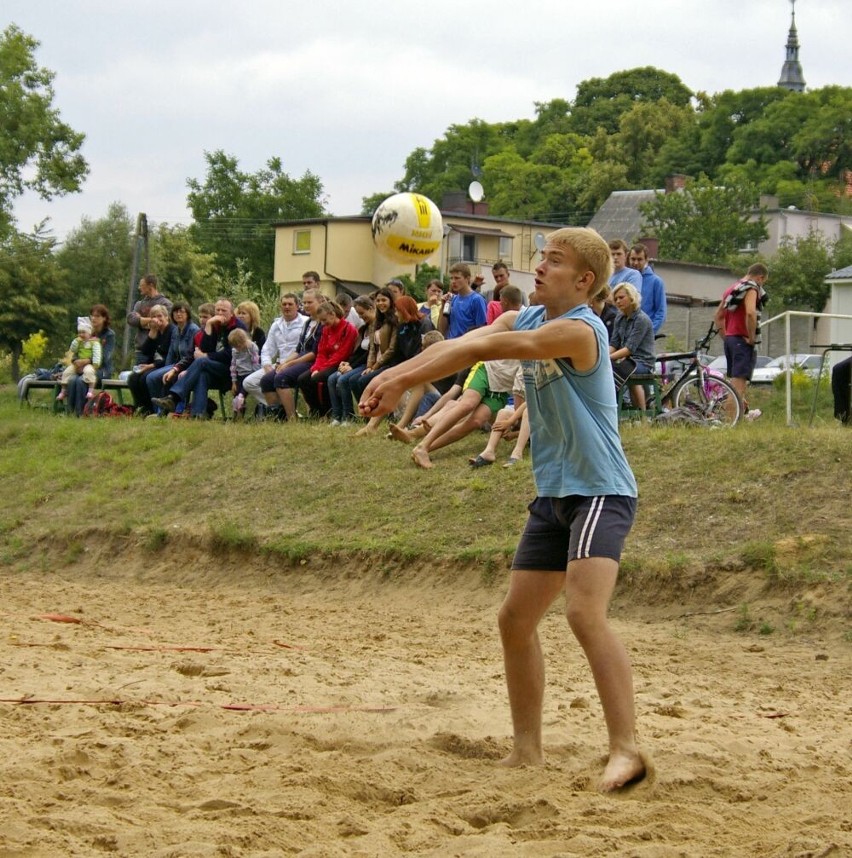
(479, 462)
(510, 461)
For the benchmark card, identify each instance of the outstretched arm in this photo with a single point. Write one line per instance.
(562, 338)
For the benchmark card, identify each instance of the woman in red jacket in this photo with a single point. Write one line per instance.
(336, 344)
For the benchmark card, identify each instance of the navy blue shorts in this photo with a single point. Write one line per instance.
(559, 530)
(741, 357)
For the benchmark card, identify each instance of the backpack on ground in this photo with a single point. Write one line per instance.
(103, 405)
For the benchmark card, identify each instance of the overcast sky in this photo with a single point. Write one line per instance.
(348, 89)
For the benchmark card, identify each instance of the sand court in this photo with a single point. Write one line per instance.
(345, 712)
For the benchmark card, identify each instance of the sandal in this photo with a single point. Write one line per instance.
(479, 462)
(510, 461)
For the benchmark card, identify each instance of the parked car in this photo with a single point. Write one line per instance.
(768, 374)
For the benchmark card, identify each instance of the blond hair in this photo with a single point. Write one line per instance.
(252, 311)
(630, 290)
(238, 338)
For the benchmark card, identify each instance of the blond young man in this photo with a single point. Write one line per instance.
(586, 492)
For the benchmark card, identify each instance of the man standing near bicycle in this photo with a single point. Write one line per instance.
(738, 317)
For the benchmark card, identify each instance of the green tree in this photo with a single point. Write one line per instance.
(97, 258)
(37, 150)
(822, 144)
(371, 203)
(416, 286)
(234, 211)
(642, 132)
(453, 161)
(183, 270)
(601, 102)
(594, 187)
(704, 223)
(797, 273)
(33, 294)
(721, 116)
(524, 189)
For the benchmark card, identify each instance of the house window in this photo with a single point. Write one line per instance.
(302, 241)
(504, 248)
(469, 248)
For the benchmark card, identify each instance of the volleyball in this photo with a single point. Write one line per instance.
(407, 228)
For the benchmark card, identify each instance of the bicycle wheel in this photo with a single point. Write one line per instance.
(711, 397)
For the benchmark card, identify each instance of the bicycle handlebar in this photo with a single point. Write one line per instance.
(705, 341)
(700, 346)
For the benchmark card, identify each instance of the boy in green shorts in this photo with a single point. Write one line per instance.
(486, 390)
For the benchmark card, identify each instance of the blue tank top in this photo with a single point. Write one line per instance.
(576, 448)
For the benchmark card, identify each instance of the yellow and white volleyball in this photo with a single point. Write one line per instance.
(407, 228)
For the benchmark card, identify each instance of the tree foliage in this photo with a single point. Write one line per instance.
(96, 258)
(704, 222)
(183, 269)
(601, 102)
(632, 129)
(234, 211)
(33, 293)
(37, 150)
(799, 268)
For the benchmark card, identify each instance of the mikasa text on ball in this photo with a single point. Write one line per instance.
(407, 228)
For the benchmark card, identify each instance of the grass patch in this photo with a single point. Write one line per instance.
(744, 622)
(760, 555)
(157, 539)
(231, 536)
(762, 496)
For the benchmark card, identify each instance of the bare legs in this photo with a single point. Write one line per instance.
(506, 419)
(588, 586)
(530, 595)
(637, 396)
(522, 440)
(287, 400)
(456, 420)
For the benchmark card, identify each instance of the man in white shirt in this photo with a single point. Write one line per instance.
(281, 342)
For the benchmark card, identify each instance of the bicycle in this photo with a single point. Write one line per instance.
(701, 396)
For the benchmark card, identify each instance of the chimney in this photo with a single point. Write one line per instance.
(675, 182)
(458, 202)
(652, 246)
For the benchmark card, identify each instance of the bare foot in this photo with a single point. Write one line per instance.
(622, 770)
(399, 434)
(421, 458)
(518, 758)
(366, 430)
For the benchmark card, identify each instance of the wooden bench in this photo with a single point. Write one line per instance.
(116, 385)
(653, 385)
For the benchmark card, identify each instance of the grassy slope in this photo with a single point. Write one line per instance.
(763, 503)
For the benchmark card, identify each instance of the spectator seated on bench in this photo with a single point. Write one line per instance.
(336, 343)
(210, 371)
(83, 359)
(631, 347)
(154, 350)
(101, 331)
(181, 349)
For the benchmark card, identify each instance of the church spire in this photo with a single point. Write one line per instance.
(791, 72)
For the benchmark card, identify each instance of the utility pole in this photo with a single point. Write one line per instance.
(140, 247)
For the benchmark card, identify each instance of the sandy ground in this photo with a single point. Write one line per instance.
(370, 714)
